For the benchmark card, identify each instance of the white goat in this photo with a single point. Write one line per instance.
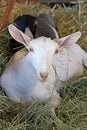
(30, 74)
(27, 74)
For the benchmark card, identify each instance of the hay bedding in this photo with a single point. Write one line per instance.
(72, 112)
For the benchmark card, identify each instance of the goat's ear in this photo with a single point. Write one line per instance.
(69, 40)
(18, 35)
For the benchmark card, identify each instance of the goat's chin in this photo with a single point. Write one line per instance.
(42, 80)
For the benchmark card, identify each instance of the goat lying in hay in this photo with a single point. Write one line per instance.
(43, 25)
(30, 73)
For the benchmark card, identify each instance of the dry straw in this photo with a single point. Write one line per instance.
(72, 112)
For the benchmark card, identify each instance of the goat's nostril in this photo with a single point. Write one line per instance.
(44, 75)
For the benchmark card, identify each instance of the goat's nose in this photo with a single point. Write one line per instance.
(44, 75)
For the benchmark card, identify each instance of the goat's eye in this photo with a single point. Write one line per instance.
(56, 51)
(31, 50)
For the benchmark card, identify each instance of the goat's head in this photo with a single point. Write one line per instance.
(42, 51)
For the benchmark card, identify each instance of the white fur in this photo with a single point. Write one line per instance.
(71, 58)
(69, 62)
(28, 32)
(22, 79)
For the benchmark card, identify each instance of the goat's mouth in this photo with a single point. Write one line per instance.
(43, 80)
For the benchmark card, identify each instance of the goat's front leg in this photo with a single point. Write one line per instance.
(53, 103)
